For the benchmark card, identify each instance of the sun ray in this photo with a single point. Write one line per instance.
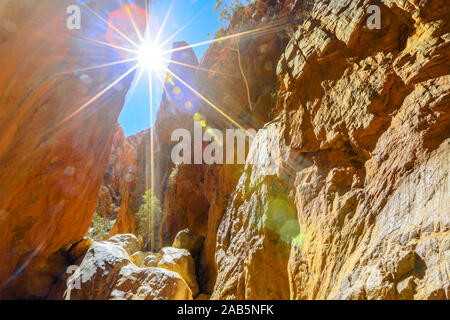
(181, 29)
(164, 22)
(133, 22)
(231, 36)
(197, 67)
(152, 171)
(99, 66)
(99, 94)
(111, 45)
(205, 99)
(111, 25)
(136, 82)
(284, 170)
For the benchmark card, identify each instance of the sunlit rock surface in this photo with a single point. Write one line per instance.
(106, 273)
(186, 239)
(55, 145)
(129, 242)
(365, 113)
(181, 262)
(354, 206)
(132, 197)
(360, 185)
(120, 174)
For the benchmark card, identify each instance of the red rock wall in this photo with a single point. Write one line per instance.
(356, 207)
(363, 123)
(135, 187)
(360, 117)
(53, 155)
(119, 175)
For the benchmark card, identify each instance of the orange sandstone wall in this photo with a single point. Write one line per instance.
(53, 155)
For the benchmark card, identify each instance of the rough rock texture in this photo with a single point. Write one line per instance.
(138, 258)
(106, 272)
(129, 242)
(186, 239)
(352, 204)
(236, 81)
(132, 195)
(181, 262)
(150, 260)
(54, 144)
(364, 123)
(356, 205)
(254, 236)
(120, 174)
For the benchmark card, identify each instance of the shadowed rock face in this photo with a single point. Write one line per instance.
(178, 105)
(106, 272)
(361, 186)
(365, 134)
(120, 174)
(132, 195)
(356, 206)
(53, 152)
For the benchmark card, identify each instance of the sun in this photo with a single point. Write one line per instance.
(150, 56)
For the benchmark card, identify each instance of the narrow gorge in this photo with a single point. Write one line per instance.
(344, 193)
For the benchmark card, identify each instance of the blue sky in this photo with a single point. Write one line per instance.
(135, 115)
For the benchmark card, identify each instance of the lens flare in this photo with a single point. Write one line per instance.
(150, 56)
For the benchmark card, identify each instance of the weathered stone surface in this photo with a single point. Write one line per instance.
(150, 284)
(132, 195)
(129, 242)
(55, 145)
(368, 141)
(186, 239)
(354, 206)
(150, 260)
(106, 272)
(120, 175)
(255, 233)
(375, 185)
(138, 258)
(77, 250)
(181, 262)
(238, 78)
(196, 199)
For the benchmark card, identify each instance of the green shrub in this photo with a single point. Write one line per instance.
(100, 227)
(226, 11)
(149, 217)
(174, 172)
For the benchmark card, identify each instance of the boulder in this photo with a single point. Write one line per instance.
(106, 273)
(186, 239)
(128, 241)
(97, 273)
(78, 249)
(138, 258)
(150, 284)
(180, 261)
(150, 260)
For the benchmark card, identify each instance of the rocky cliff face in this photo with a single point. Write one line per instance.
(357, 206)
(55, 144)
(356, 123)
(121, 172)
